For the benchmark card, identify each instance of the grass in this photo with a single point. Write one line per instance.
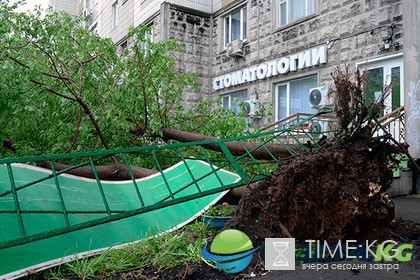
(160, 252)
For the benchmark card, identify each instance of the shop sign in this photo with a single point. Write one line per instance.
(299, 61)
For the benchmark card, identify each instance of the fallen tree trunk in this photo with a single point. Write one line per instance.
(114, 172)
(235, 147)
(118, 172)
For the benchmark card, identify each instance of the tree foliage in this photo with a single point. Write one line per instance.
(63, 88)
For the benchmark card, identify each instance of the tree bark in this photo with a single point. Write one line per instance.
(8, 144)
(235, 147)
(115, 172)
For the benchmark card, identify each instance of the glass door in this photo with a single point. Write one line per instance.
(382, 73)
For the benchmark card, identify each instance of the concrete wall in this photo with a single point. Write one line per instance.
(354, 30)
(412, 75)
(191, 29)
(69, 6)
(192, 32)
(125, 19)
(145, 9)
(402, 185)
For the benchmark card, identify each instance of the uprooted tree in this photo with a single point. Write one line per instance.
(66, 89)
(338, 191)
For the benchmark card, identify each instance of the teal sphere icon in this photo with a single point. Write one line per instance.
(231, 250)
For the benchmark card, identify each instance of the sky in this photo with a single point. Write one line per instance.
(30, 5)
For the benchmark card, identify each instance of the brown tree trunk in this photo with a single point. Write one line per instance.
(117, 171)
(235, 147)
(114, 172)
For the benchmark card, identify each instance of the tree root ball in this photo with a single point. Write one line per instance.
(336, 193)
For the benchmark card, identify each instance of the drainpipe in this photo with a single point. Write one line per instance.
(258, 46)
(416, 178)
(164, 21)
(411, 22)
(210, 94)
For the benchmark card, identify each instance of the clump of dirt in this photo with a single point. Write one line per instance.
(337, 192)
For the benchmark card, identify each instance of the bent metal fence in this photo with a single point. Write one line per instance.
(48, 216)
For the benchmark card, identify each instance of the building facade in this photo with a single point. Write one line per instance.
(69, 6)
(275, 52)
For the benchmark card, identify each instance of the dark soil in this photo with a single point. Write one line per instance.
(402, 231)
(335, 193)
(195, 271)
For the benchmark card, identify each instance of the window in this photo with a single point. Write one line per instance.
(235, 26)
(381, 73)
(148, 37)
(95, 28)
(123, 47)
(293, 97)
(114, 14)
(288, 11)
(229, 100)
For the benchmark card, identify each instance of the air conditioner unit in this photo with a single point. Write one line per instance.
(234, 48)
(318, 128)
(251, 108)
(319, 97)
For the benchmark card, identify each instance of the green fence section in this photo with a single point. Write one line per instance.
(76, 215)
(48, 214)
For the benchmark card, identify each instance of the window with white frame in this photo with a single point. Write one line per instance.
(380, 74)
(148, 37)
(234, 27)
(114, 14)
(232, 100)
(288, 11)
(293, 97)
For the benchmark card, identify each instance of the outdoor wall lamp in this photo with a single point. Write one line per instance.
(386, 44)
(387, 41)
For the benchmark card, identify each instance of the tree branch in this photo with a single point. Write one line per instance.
(54, 66)
(96, 125)
(70, 80)
(76, 132)
(17, 61)
(17, 47)
(52, 91)
(93, 57)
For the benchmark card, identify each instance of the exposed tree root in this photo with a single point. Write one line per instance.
(337, 192)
